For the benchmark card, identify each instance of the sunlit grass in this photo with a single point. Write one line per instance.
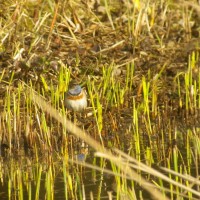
(189, 97)
(131, 100)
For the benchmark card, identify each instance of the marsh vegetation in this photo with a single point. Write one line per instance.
(139, 137)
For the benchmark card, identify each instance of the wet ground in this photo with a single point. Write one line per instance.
(160, 51)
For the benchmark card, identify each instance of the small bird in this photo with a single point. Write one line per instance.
(75, 98)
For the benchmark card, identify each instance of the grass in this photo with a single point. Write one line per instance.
(138, 62)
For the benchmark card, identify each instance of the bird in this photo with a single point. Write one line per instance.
(75, 98)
